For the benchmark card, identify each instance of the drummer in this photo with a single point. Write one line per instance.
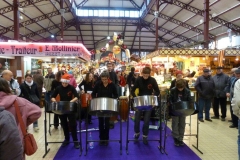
(179, 93)
(104, 88)
(67, 93)
(88, 84)
(147, 85)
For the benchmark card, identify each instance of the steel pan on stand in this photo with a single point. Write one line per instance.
(104, 107)
(61, 108)
(145, 103)
(183, 108)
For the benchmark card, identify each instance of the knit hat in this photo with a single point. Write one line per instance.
(65, 78)
(70, 72)
(237, 71)
(178, 72)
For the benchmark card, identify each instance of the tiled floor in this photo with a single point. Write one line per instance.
(216, 140)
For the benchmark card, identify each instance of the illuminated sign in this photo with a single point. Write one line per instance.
(44, 49)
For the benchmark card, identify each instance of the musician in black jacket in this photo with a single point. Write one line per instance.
(147, 85)
(67, 93)
(104, 88)
(179, 93)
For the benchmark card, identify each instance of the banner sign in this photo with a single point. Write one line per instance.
(44, 50)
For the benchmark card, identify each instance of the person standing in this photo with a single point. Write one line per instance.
(104, 88)
(29, 111)
(130, 77)
(205, 88)
(114, 79)
(147, 85)
(179, 93)
(11, 146)
(67, 93)
(38, 79)
(179, 75)
(235, 103)
(88, 85)
(220, 82)
(230, 93)
(14, 85)
(55, 83)
(47, 82)
(29, 89)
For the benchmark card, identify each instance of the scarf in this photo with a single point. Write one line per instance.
(29, 84)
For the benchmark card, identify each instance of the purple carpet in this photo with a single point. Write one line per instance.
(137, 151)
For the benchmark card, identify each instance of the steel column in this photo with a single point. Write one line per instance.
(156, 26)
(16, 19)
(206, 23)
(62, 24)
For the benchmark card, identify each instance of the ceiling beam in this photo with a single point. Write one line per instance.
(81, 4)
(183, 24)
(216, 19)
(135, 4)
(174, 16)
(48, 29)
(32, 20)
(189, 40)
(21, 5)
(165, 41)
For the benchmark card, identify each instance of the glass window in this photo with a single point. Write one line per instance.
(100, 13)
(126, 13)
(96, 13)
(90, 12)
(85, 13)
(105, 13)
(80, 12)
(121, 13)
(112, 13)
(132, 14)
(116, 13)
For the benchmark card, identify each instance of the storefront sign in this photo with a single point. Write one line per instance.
(44, 50)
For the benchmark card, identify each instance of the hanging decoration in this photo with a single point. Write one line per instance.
(116, 49)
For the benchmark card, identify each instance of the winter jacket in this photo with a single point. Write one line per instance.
(113, 77)
(185, 96)
(220, 82)
(10, 142)
(26, 91)
(236, 99)
(146, 87)
(230, 86)
(14, 85)
(29, 111)
(173, 84)
(205, 87)
(47, 82)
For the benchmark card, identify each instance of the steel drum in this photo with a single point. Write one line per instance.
(104, 107)
(48, 107)
(183, 108)
(145, 102)
(64, 107)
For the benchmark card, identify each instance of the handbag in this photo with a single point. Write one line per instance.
(32, 97)
(30, 145)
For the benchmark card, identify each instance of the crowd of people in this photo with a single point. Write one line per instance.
(213, 91)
